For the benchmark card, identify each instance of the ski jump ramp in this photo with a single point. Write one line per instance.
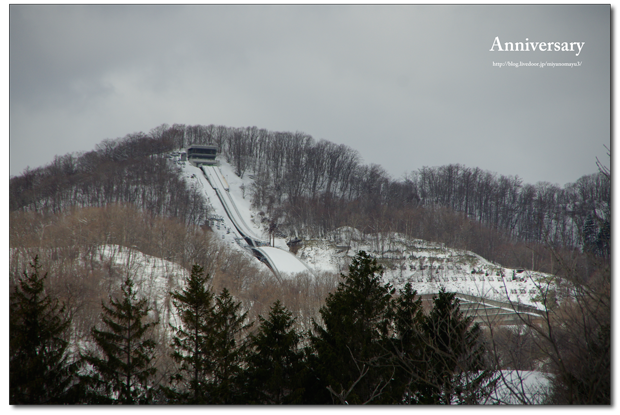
(219, 184)
(282, 263)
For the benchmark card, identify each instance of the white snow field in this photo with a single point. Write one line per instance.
(221, 187)
(429, 266)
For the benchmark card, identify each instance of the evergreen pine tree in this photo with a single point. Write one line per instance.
(351, 357)
(456, 370)
(275, 364)
(227, 349)
(41, 371)
(191, 342)
(123, 370)
(407, 347)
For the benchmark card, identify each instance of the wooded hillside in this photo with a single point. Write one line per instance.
(307, 188)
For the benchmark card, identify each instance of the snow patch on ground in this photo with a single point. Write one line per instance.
(219, 221)
(287, 263)
(240, 190)
(153, 277)
(532, 386)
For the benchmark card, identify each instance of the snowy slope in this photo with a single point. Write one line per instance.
(153, 277)
(427, 266)
(228, 202)
(286, 263)
(219, 221)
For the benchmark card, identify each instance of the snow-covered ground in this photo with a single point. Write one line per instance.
(427, 266)
(227, 201)
(520, 387)
(287, 263)
(154, 277)
(239, 188)
(219, 221)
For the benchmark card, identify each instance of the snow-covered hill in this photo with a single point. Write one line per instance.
(426, 265)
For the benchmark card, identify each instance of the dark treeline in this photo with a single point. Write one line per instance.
(312, 187)
(132, 170)
(371, 346)
(308, 188)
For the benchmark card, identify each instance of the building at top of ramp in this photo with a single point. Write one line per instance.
(202, 155)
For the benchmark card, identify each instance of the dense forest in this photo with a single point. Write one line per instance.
(331, 339)
(371, 347)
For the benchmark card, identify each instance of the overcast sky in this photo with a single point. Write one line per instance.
(407, 86)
